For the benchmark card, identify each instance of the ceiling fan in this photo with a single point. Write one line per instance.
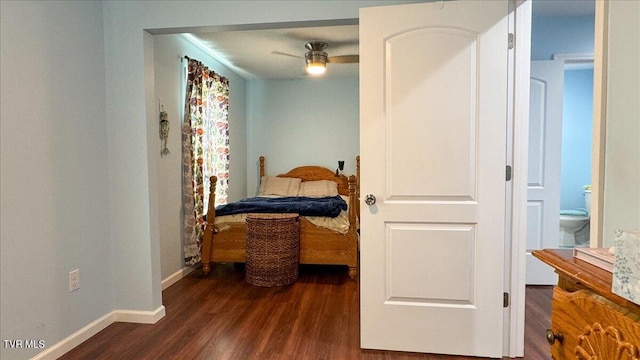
(316, 58)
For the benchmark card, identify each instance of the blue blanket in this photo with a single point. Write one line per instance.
(305, 206)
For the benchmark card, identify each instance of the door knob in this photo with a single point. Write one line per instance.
(369, 199)
(552, 337)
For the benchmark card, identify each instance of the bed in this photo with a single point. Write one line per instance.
(225, 236)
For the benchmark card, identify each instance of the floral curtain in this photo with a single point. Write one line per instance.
(205, 149)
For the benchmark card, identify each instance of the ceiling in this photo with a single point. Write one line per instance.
(279, 53)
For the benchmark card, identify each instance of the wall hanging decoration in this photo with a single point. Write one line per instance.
(164, 131)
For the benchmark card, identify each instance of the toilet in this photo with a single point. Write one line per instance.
(574, 225)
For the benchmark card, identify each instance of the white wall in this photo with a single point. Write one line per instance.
(169, 89)
(311, 121)
(54, 171)
(622, 159)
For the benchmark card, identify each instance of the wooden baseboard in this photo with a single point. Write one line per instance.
(67, 344)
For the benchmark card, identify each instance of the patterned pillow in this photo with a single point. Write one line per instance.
(318, 188)
(280, 186)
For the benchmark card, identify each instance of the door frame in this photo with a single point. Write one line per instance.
(518, 158)
(515, 249)
(600, 64)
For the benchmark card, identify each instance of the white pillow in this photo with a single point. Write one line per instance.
(280, 186)
(319, 188)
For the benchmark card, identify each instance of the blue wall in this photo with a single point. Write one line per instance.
(577, 129)
(561, 34)
(570, 35)
(280, 120)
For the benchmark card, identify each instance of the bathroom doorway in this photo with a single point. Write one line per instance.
(561, 126)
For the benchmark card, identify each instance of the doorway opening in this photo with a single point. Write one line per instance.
(560, 149)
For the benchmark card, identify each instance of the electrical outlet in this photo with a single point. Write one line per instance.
(74, 280)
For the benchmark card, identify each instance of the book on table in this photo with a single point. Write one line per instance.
(600, 257)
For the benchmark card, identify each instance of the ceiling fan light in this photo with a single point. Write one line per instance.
(316, 62)
(316, 68)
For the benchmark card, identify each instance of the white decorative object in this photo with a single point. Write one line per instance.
(164, 131)
(626, 267)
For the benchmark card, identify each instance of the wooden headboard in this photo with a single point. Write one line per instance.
(313, 173)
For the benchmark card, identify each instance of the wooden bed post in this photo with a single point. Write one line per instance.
(353, 218)
(209, 229)
(352, 200)
(358, 185)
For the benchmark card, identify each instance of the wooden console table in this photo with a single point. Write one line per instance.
(588, 321)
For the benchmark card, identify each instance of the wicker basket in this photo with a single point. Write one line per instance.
(273, 249)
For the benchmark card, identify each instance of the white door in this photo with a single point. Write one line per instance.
(433, 80)
(545, 146)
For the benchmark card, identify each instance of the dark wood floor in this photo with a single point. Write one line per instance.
(222, 317)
